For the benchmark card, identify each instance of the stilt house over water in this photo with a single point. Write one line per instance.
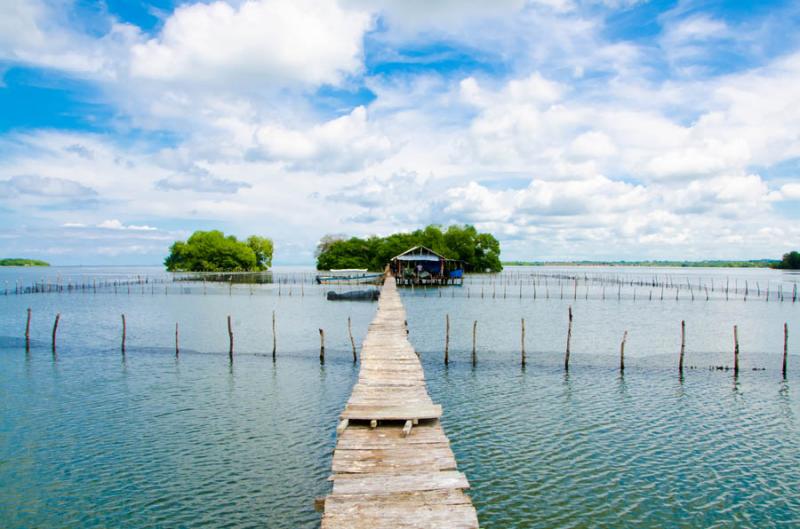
(422, 266)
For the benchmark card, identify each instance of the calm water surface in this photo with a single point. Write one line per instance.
(89, 439)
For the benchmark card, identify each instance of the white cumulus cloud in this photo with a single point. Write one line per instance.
(257, 43)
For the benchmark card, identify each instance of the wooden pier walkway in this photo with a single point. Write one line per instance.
(393, 466)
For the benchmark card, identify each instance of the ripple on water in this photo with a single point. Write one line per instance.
(90, 442)
(592, 449)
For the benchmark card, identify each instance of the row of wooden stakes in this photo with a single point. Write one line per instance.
(474, 357)
(621, 347)
(177, 336)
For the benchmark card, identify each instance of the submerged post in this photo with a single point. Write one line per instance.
(230, 338)
(177, 345)
(321, 346)
(446, 338)
(735, 350)
(352, 341)
(683, 346)
(569, 339)
(522, 341)
(622, 352)
(55, 330)
(274, 337)
(474, 332)
(28, 332)
(124, 333)
(785, 346)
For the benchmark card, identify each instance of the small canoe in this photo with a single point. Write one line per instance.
(354, 295)
(349, 278)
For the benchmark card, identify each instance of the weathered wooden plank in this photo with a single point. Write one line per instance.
(391, 483)
(429, 497)
(420, 458)
(388, 437)
(366, 516)
(365, 412)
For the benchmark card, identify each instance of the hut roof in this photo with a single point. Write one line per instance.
(419, 253)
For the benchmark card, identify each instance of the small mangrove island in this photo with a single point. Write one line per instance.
(480, 252)
(213, 251)
(16, 261)
(790, 261)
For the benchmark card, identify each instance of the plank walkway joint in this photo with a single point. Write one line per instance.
(393, 466)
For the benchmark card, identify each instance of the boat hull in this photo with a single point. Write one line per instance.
(350, 279)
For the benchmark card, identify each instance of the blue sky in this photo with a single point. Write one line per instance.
(572, 129)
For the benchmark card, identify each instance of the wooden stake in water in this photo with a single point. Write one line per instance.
(321, 346)
(735, 350)
(474, 337)
(446, 338)
(55, 330)
(352, 341)
(124, 333)
(569, 339)
(28, 332)
(230, 338)
(622, 351)
(522, 341)
(177, 342)
(785, 347)
(683, 346)
(274, 337)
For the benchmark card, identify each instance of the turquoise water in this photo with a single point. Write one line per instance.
(89, 438)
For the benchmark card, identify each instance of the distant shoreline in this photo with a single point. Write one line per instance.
(22, 262)
(756, 263)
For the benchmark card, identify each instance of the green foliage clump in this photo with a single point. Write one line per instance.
(212, 251)
(790, 261)
(480, 251)
(14, 261)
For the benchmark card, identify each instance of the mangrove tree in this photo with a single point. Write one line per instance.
(212, 251)
(480, 251)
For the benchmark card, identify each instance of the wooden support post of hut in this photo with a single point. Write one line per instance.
(422, 266)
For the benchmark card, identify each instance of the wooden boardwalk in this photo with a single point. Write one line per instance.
(393, 467)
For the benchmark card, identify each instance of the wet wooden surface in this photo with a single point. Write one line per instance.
(393, 466)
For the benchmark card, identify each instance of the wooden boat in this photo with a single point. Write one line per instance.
(354, 295)
(348, 276)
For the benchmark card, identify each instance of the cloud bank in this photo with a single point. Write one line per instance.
(561, 127)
